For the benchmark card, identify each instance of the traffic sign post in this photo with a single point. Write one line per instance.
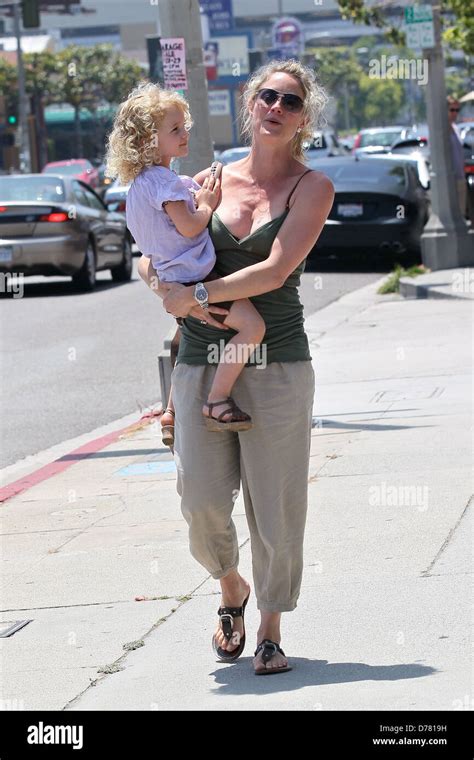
(446, 241)
(183, 67)
(419, 26)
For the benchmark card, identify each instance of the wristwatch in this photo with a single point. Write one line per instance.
(201, 295)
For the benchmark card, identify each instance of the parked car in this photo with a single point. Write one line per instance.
(419, 130)
(419, 162)
(466, 131)
(115, 196)
(378, 139)
(324, 144)
(379, 203)
(56, 225)
(411, 146)
(103, 181)
(347, 142)
(467, 136)
(80, 168)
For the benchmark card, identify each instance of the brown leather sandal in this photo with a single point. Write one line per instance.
(239, 421)
(167, 431)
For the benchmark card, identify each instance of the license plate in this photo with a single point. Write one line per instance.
(350, 209)
(6, 254)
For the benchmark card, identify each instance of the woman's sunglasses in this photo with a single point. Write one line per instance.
(290, 102)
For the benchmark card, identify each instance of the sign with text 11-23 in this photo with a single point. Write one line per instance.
(173, 55)
(419, 26)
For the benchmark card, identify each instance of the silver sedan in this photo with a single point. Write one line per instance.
(57, 225)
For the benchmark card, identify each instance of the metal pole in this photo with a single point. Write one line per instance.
(25, 160)
(346, 107)
(446, 241)
(181, 18)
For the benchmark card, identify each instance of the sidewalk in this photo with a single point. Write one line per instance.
(444, 283)
(383, 620)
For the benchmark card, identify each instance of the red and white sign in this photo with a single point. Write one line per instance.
(211, 50)
(287, 33)
(173, 54)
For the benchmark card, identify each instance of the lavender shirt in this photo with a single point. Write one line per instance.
(174, 257)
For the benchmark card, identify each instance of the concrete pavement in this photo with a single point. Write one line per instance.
(383, 620)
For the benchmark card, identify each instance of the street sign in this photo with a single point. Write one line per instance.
(210, 55)
(415, 14)
(419, 26)
(219, 102)
(232, 56)
(287, 37)
(219, 13)
(174, 63)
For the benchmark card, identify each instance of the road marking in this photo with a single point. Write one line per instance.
(76, 455)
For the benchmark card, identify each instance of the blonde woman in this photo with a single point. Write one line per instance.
(168, 215)
(271, 213)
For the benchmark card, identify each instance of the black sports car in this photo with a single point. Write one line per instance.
(380, 203)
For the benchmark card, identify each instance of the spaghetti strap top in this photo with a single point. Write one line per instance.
(289, 197)
(285, 339)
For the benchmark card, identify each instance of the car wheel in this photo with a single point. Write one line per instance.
(85, 279)
(123, 273)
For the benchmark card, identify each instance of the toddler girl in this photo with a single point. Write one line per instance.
(168, 216)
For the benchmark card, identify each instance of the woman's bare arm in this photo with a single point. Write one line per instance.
(150, 277)
(293, 242)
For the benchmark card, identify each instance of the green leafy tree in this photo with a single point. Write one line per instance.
(92, 78)
(361, 100)
(8, 84)
(457, 19)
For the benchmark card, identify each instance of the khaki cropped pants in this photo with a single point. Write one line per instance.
(270, 461)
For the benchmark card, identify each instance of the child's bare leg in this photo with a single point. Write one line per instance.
(167, 418)
(244, 318)
(167, 421)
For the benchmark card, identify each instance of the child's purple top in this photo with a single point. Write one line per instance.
(175, 258)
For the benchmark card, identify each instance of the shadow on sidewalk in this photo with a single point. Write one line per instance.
(233, 680)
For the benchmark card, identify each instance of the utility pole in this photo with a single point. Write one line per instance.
(446, 241)
(25, 160)
(181, 18)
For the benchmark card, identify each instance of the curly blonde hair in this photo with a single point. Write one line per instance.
(315, 100)
(132, 143)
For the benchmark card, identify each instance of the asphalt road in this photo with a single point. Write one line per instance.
(72, 362)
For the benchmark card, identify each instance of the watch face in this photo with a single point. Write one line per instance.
(201, 293)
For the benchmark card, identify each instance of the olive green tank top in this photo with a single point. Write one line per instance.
(285, 339)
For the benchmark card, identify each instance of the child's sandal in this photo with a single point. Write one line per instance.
(167, 431)
(239, 421)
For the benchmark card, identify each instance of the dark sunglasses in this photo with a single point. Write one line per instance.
(454, 110)
(290, 102)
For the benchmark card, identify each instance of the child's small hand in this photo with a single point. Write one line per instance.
(210, 193)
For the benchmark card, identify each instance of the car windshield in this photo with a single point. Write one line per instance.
(379, 138)
(31, 189)
(68, 169)
(369, 174)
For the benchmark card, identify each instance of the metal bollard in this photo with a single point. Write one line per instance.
(166, 362)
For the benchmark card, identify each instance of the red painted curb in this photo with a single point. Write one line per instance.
(67, 460)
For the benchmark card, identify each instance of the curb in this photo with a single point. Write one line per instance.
(75, 455)
(409, 288)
